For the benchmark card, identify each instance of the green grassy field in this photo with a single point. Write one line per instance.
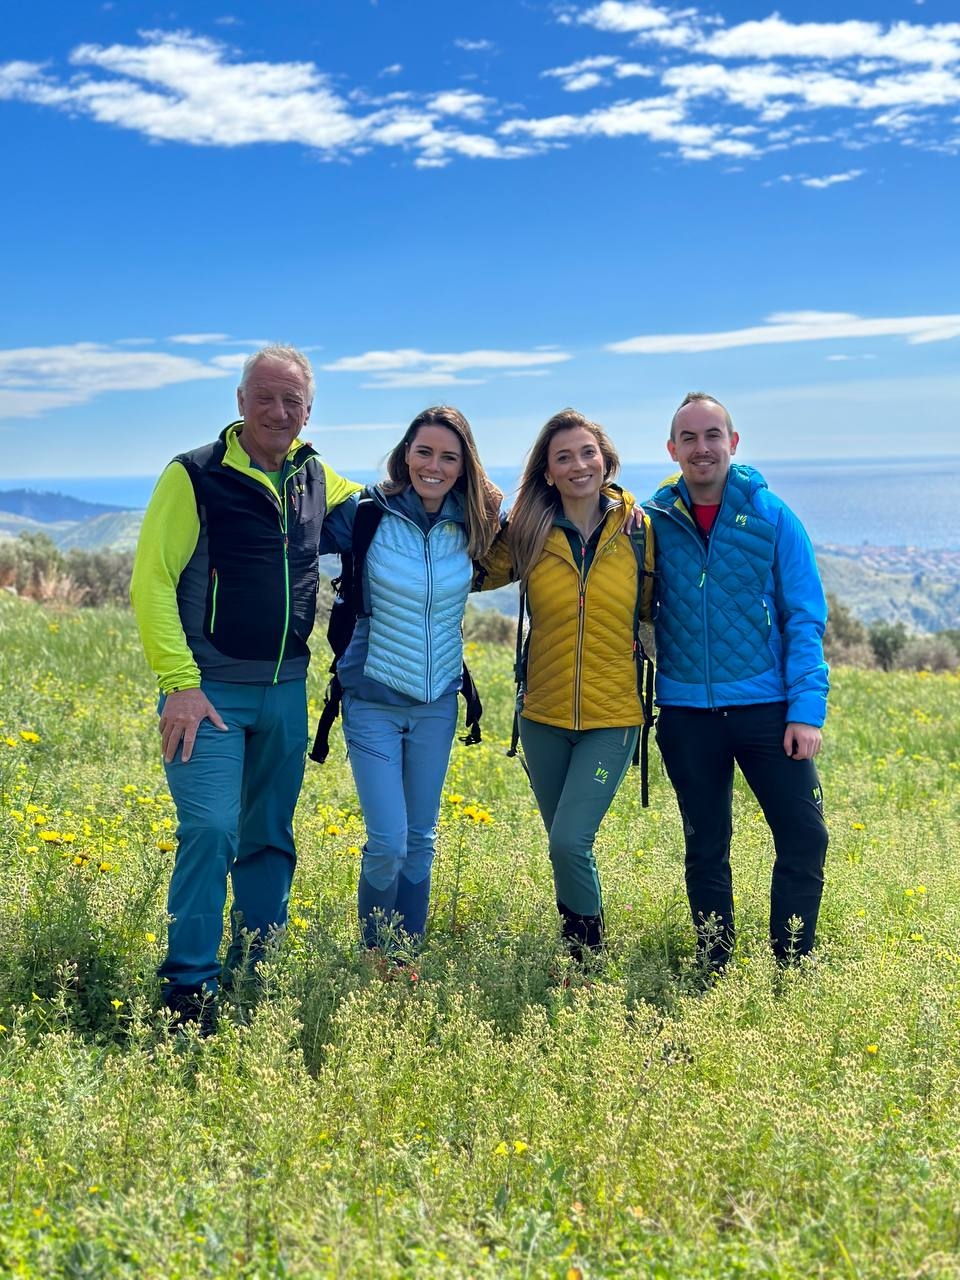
(476, 1116)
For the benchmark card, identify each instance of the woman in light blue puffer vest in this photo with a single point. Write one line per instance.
(402, 669)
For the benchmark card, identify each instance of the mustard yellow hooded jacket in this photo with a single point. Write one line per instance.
(581, 665)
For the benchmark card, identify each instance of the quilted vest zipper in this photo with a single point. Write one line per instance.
(282, 497)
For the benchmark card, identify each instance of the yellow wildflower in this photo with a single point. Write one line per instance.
(29, 736)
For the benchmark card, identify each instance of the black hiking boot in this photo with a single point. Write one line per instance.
(582, 934)
(191, 1005)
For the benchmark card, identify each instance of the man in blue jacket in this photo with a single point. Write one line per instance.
(739, 621)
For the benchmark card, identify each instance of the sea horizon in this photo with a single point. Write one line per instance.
(885, 502)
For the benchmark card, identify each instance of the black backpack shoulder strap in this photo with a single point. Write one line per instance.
(366, 521)
(347, 606)
(641, 756)
(520, 677)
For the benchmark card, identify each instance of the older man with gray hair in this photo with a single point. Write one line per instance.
(224, 589)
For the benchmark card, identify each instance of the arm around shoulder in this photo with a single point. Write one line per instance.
(496, 568)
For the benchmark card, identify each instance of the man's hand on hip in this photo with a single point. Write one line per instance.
(180, 719)
(802, 741)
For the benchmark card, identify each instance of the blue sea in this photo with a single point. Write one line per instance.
(884, 503)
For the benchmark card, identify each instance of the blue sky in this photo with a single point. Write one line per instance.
(510, 207)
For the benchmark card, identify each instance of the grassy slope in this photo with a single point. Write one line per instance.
(481, 1119)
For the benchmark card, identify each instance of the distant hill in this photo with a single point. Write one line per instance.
(116, 530)
(51, 508)
(68, 522)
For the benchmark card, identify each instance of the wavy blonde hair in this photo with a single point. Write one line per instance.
(538, 503)
(481, 497)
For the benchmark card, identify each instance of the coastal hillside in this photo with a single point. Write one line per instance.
(912, 585)
(917, 587)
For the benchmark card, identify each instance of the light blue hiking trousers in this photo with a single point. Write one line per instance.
(399, 758)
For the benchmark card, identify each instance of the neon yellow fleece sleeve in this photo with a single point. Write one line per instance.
(168, 538)
(338, 488)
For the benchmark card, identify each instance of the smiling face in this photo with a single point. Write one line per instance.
(274, 406)
(434, 458)
(702, 444)
(575, 464)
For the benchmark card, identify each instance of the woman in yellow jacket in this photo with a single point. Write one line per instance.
(586, 590)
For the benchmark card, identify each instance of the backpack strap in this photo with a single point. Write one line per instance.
(520, 677)
(645, 571)
(348, 605)
(474, 708)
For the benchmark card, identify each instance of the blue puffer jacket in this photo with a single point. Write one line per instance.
(739, 619)
(417, 575)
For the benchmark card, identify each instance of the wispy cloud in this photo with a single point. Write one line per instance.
(199, 339)
(796, 326)
(475, 46)
(584, 74)
(408, 367)
(34, 380)
(821, 184)
(348, 428)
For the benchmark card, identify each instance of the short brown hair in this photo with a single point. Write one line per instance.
(695, 397)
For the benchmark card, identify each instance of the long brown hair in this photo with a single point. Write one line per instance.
(537, 502)
(481, 497)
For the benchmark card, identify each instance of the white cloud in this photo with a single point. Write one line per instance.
(458, 102)
(626, 18)
(892, 82)
(394, 69)
(199, 339)
(820, 184)
(831, 179)
(623, 70)
(347, 428)
(409, 367)
(34, 380)
(796, 326)
(774, 37)
(659, 119)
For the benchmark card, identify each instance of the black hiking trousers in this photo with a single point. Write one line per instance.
(699, 749)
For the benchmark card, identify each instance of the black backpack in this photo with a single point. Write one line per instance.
(347, 606)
